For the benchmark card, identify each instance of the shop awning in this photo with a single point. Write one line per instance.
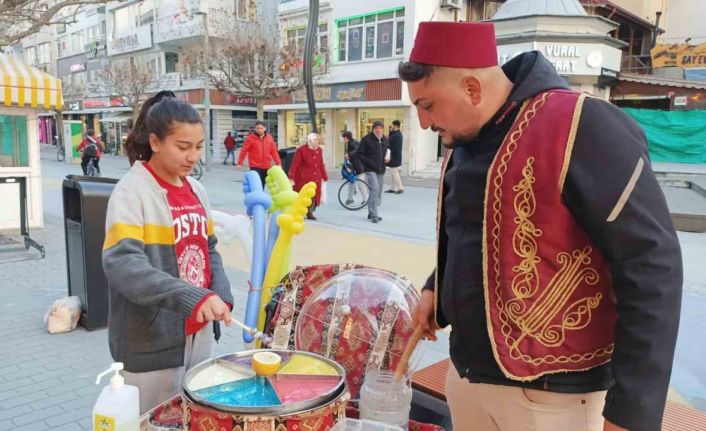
(116, 118)
(25, 86)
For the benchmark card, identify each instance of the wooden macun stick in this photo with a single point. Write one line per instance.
(411, 345)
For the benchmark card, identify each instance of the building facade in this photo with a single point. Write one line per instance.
(361, 43)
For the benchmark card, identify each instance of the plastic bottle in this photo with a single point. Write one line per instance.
(118, 406)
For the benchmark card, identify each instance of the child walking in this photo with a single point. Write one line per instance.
(166, 279)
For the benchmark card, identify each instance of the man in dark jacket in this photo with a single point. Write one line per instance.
(395, 164)
(373, 154)
(533, 166)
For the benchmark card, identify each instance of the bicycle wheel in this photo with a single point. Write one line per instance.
(353, 195)
(60, 155)
(197, 171)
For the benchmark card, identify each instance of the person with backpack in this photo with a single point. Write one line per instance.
(92, 149)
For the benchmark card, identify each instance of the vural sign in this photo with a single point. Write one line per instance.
(568, 59)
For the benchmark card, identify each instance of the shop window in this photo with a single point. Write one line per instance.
(14, 148)
(376, 35)
(297, 35)
(298, 127)
(170, 62)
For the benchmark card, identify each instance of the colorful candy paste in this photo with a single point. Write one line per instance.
(218, 374)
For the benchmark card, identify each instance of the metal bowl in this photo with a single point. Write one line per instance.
(279, 410)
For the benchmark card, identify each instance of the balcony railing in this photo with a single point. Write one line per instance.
(636, 64)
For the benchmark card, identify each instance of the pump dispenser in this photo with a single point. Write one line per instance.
(118, 406)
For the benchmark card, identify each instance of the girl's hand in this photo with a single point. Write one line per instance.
(213, 309)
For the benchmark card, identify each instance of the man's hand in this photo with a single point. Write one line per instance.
(239, 167)
(423, 315)
(213, 309)
(609, 426)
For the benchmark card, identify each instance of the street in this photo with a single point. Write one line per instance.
(47, 381)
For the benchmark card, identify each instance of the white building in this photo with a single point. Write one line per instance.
(363, 41)
(157, 32)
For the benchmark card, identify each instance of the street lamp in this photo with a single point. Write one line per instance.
(309, 45)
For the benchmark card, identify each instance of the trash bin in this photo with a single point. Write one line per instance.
(286, 155)
(85, 205)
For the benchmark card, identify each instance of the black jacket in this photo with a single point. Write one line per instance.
(352, 149)
(395, 149)
(371, 153)
(640, 246)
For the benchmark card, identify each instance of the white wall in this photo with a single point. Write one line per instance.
(9, 211)
(685, 18)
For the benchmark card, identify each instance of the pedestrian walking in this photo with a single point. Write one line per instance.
(395, 164)
(373, 153)
(308, 166)
(166, 280)
(558, 267)
(261, 151)
(229, 143)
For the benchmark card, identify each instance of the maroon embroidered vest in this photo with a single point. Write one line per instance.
(549, 301)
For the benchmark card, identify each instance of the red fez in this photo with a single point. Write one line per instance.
(465, 45)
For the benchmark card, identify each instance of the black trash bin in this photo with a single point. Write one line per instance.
(286, 155)
(85, 205)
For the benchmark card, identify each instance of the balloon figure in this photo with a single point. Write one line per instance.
(256, 203)
(283, 197)
(291, 223)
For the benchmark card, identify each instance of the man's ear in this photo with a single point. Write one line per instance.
(472, 89)
(154, 143)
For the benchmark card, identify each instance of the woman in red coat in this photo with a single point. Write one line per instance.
(308, 165)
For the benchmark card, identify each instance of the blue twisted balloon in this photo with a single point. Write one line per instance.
(257, 202)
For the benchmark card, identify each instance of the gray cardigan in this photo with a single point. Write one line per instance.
(149, 303)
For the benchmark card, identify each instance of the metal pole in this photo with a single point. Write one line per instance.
(207, 104)
(309, 44)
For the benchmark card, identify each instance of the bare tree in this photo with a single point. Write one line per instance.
(249, 62)
(129, 81)
(21, 18)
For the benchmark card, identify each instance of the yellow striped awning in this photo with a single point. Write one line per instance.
(25, 86)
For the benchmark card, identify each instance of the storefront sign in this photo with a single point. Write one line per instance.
(103, 102)
(591, 59)
(79, 67)
(74, 105)
(133, 40)
(679, 55)
(348, 92)
(680, 101)
(240, 100)
(93, 47)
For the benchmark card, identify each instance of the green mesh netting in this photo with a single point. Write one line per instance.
(673, 136)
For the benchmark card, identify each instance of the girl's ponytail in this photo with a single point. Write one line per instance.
(156, 116)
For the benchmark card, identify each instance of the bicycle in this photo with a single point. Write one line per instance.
(197, 170)
(91, 170)
(354, 192)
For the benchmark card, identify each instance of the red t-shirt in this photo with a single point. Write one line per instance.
(191, 240)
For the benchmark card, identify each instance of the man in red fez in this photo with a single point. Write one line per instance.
(558, 266)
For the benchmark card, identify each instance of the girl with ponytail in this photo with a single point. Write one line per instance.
(166, 279)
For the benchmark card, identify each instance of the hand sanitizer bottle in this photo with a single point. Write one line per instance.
(118, 406)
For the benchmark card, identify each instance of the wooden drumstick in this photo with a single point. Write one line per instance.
(411, 345)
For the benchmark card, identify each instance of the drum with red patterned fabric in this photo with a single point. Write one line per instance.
(277, 390)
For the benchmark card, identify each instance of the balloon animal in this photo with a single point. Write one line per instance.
(256, 202)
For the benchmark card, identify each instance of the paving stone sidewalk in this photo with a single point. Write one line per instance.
(47, 381)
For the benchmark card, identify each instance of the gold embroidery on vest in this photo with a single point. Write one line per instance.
(535, 321)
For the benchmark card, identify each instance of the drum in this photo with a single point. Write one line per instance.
(304, 392)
